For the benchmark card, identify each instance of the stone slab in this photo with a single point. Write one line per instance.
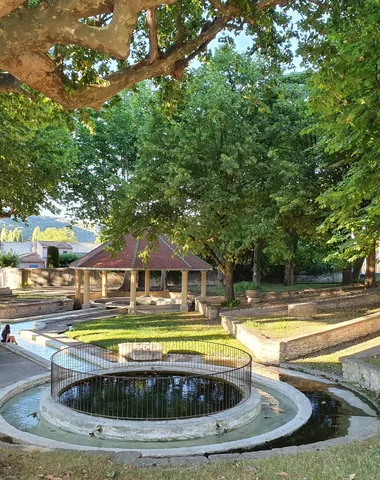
(141, 351)
(125, 457)
(304, 310)
(151, 462)
(225, 456)
(188, 461)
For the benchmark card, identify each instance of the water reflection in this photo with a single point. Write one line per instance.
(151, 396)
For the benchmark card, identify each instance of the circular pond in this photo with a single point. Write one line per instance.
(146, 395)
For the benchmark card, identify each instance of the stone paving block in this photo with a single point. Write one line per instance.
(225, 456)
(125, 457)
(188, 461)
(151, 462)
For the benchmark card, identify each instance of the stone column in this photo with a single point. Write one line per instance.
(185, 283)
(78, 284)
(132, 298)
(104, 283)
(147, 283)
(203, 283)
(164, 280)
(86, 290)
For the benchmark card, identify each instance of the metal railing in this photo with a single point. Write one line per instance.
(150, 380)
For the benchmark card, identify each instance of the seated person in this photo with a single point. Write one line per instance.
(6, 336)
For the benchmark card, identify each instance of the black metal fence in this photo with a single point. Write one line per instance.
(151, 381)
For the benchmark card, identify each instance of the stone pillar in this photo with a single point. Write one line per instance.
(132, 298)
(203, 283)
(164, 280)
(104, 283)
(78, 284)
(147, 283)
(86, 290)
(185, 282)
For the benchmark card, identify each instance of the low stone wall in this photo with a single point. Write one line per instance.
(356, 370)
(34, 308)
(276, 351)
(324, 278)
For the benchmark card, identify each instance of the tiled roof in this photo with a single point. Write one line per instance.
(31, 257)
(163, 258)
(55, 244)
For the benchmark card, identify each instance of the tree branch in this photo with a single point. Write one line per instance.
(151, 18)
(8, 6)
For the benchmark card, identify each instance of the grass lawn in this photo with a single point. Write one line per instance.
(266, 287)
(283, 326)
(164, 327)
(375, 360)
(274, 287)
(357, 461)
(328, 361)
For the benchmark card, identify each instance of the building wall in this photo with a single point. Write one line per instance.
(16, 247)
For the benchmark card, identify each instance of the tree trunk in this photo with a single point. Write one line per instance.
(126, 285)
(370, 272)
(256, 277)
(228, 271)
(346, 276)
(289, 273)
(357, 267)
(164, 280)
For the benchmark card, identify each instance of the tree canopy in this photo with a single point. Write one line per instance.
(345, 100)
(82, 52)
(36, 151)
(55, 234)
(206, 175)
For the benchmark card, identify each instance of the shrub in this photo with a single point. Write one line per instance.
(9, 259)
(231, 303)
(241, 287)
(52, 257)
(66, 258)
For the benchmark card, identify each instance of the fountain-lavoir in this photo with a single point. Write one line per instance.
(172, 398)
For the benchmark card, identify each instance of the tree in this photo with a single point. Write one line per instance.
(345, 100)
(4, 235)
(52, 260)
(66, 258)
(9, 259)
(107, 152)
(69, 49)
(58, 235)
(201, 175)
(36, 150)
(36, 233)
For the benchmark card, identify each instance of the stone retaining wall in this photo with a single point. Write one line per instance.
(324, 278)
(356, 370)
(270, 351)
(34, 308)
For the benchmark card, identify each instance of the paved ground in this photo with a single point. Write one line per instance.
(14, 368)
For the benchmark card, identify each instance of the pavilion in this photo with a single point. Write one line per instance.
(164, 258)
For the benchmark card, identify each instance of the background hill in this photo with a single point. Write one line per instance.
(83, 234)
